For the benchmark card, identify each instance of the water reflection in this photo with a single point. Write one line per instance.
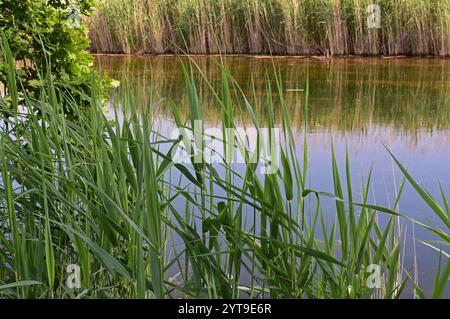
(410, 95)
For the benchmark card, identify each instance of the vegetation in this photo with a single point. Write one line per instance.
(40, 31)
(103, 191)
(105, 194)
(283, 27)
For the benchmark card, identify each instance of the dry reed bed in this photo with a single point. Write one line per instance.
(282, 27)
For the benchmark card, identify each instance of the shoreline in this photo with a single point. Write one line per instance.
(266, 56)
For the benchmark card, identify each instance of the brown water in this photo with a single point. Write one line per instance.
(361, 103)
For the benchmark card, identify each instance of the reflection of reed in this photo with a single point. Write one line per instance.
(410, 95)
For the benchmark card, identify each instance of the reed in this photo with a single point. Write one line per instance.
(281, 27)
(105, 194)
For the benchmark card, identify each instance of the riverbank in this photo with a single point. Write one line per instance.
(271, 57)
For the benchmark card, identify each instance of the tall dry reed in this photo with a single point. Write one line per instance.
(282, 27)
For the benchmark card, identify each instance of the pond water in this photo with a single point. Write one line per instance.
(359, 102)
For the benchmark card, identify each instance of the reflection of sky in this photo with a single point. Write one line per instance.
(426, 157)
(403, 105)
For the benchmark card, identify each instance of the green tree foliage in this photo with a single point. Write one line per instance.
(48, 35)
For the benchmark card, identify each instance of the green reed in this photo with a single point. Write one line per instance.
(102, 191)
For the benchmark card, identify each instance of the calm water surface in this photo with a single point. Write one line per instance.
(361, 103)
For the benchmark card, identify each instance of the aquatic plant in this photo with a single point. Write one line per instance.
(281, 27)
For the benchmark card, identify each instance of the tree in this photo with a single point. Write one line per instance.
(48, 35)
